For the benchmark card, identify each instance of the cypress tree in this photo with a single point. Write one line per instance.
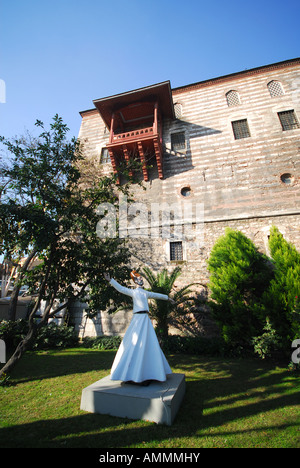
(239, 276)
(282, 297)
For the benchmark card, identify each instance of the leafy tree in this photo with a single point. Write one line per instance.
(48, 214)
(239, 276)
(284, 291)
(164, 311)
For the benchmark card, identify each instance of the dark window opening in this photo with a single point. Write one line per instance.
(288, 120)
(185, 191)
(240, 129)
(178, 141)
(176, 252)
(287, 179)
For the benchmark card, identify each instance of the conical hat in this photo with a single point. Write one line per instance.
(134, 275)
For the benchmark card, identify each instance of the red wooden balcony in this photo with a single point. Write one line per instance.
(135, 123)
(133, 135)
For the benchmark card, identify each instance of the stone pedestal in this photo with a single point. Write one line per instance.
(157, 402)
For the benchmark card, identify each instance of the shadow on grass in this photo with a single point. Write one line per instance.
(100, 431)
(55, 363)
(217, 393)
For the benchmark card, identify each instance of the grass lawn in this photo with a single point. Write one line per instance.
(228, 403)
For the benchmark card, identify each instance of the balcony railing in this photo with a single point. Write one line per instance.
(132, 135)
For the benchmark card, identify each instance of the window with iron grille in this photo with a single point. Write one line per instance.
(178, 141)
(105, 158)
(275, 88)
(240, 129)
(288, 120)
(233, 98)
(176, 252)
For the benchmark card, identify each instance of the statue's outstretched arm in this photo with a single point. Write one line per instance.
(117, 286)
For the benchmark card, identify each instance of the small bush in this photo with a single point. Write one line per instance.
(4, 380)
(55, 336)
(102, 342)
(49, 336)
(12, 332)
(199, 345)
(267, 343)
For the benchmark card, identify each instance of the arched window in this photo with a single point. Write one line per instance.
(233, 98)
(178, 110)
(275, 88)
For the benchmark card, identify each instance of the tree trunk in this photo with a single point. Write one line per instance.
(26, 342)
(162, 329)
(12, 309)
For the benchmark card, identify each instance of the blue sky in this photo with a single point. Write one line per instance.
(57, 56)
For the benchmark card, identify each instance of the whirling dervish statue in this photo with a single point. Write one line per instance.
(139, 358)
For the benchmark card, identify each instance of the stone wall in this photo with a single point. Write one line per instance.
(148, 252)
(153, 252)
(233, 178)
(102, 324)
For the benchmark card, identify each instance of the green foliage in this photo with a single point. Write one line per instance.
(49, 211)
(46, 207)
(239, 276)
(4, 380)
(282, 297)
(256, 299)
(102, 342)
(164, 311)
(197, 345)
(48, 337)
(267, 343)
(13, 331)
(55, 336)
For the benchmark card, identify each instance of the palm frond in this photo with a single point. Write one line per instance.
(148, 275)
(174, 275)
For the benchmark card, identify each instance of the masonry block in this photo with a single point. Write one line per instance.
(158, 402)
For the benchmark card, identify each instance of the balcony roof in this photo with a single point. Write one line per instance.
(160, 92)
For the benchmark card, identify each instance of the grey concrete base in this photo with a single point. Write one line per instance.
(158, 402)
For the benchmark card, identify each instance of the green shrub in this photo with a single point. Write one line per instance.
(49, 336)
(267, 343)
(199, 345)
(255, 299)
(12, 332)
(102, 342)
(281, 299)
(239, 276)
(4, 380)
(55, 336)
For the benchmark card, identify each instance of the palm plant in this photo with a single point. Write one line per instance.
(163, 311)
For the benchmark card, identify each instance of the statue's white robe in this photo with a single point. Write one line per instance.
(139, 356)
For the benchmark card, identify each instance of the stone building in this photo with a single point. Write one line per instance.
(226, 148)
